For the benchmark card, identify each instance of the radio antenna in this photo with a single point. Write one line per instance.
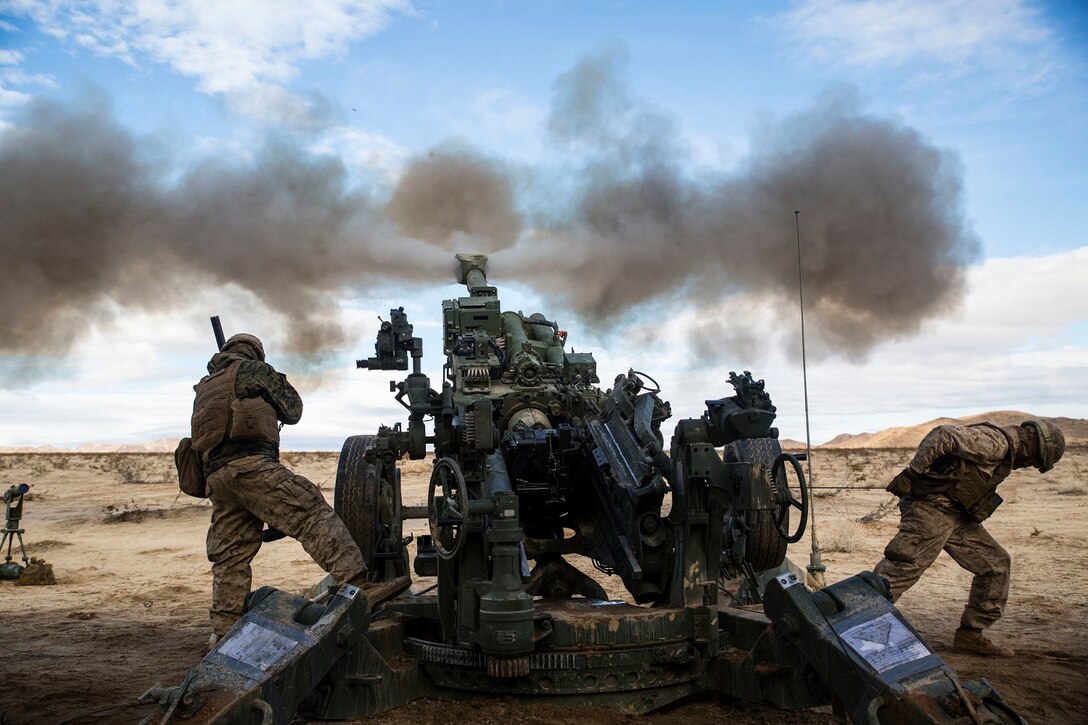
(815, 566)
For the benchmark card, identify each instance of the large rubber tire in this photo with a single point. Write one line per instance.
(764, 547)
(367, 504)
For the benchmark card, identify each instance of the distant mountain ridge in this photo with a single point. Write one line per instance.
(1074, 429)
(162, 445)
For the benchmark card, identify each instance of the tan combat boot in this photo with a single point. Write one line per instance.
(973, 642)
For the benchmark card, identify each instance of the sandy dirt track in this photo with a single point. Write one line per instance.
(129, 609)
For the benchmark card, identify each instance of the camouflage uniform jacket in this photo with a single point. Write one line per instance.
(984, 445)
(952, 458)
(255, 379)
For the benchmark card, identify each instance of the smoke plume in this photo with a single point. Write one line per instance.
(458, 200)
(885, 241)
(92, 218)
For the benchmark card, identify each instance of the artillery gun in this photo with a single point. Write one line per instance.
(533, 464)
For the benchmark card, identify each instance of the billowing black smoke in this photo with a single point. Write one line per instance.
(92, 217)
(885, 242)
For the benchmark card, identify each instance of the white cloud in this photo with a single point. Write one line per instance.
(1019, 300)
(245, 50)
(10, 98)
(363, 150)
(13, 78)
(17, 77)
(958, 34)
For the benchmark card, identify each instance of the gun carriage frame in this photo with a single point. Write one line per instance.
(533, 462)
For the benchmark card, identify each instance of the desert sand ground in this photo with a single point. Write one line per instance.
(128, 610)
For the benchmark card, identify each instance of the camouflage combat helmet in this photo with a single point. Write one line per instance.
(246, 345)
(1051, 442)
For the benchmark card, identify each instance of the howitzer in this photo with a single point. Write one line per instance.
(536, 468)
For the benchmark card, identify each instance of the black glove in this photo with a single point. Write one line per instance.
(901, 484)
(271, 534)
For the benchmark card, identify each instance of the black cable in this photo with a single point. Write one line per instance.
(76, 718)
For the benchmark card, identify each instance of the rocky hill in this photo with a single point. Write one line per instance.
(1075, 430)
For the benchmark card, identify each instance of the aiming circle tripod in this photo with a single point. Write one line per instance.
(13, 498)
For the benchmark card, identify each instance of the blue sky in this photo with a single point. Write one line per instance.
(999, 85)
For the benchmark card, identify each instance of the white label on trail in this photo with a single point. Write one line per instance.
(884, 642)
(257, 646)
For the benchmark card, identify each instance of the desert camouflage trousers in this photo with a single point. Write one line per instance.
(934, 523)
(251, 491)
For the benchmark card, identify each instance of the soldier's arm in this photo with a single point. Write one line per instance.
(938, 442)
(277, 392)
(981, 444)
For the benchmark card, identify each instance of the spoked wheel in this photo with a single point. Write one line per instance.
(447, 507)
(367, 500)
(764, 547)
(649, 384)
(787, 500)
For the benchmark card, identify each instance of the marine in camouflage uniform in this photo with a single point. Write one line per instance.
(947, 491)
(235, 427)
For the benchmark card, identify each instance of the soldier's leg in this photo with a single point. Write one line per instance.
(976, 551)
(295, 506)
(924, 527)
(234, 538)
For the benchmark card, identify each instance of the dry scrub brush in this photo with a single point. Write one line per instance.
(130, 512)
(845, 536)
(139, 467)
